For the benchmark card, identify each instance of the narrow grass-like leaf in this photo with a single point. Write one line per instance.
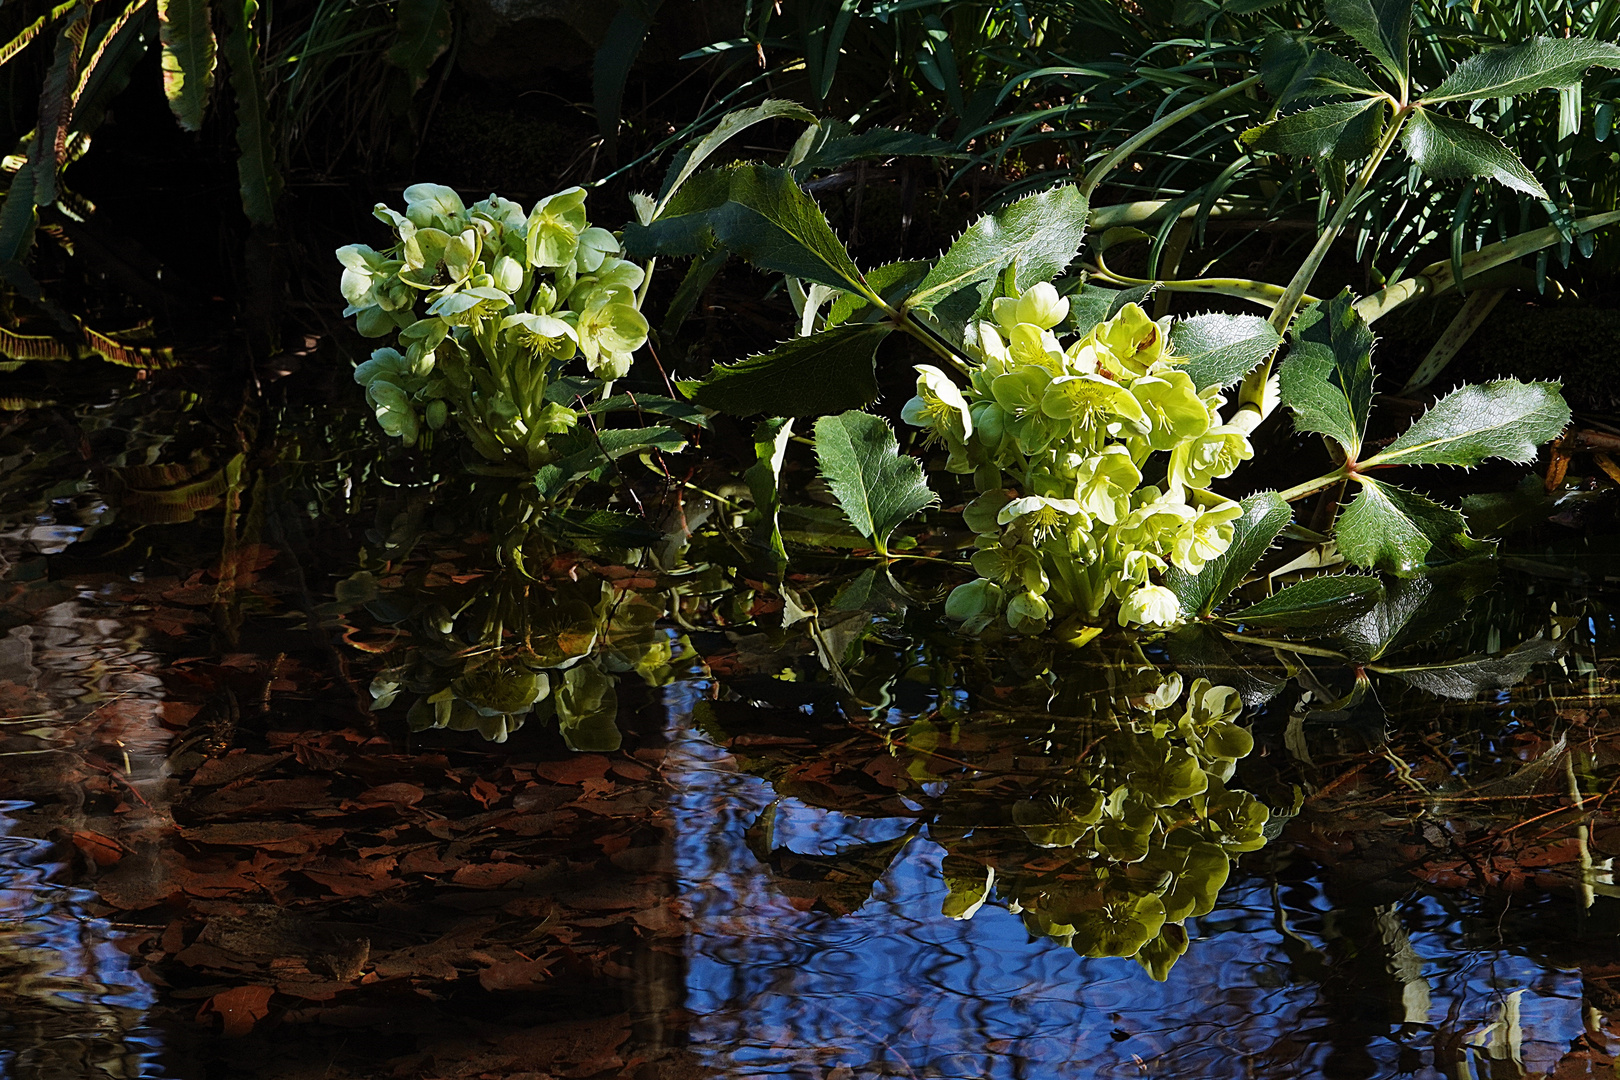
(826, 372)
(1221, 349)
(1039, 235)
(1502, 419)
(1390, 528)
(1265, 515)
(1318, 604)
(1449, 149)
(877, 486)
(1542, 63)
(1327, 378)
(189, 55)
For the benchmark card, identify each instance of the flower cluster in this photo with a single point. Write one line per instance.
(487, 303)
(1091, 460)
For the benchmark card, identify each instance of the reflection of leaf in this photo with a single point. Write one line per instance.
(1467, 677)
(763, 479)
(876, 485)
(967, 888)
(1158, 956)
(1318, 604)
(1413, 609)
(1058, 819)
(838, 883)
(1201, 650)
(587, 707)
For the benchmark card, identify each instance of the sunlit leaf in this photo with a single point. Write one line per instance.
(1391, 528)
(1383, 27)
(1344, 130)
(1220, 349)
(877, 486)
(1265, 515)
(1039, 235)
(1541, 63)
(1327, 377)
(1471, 675)
(1502, 419)
(1449, 149)
(188, 58)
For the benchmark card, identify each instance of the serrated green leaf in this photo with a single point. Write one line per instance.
(421, 37)
(1293, 71)
(1221, 349)
(1318, 604)
(753, 211)
(1040, 234)
(874, 143)
(1383, 28)
(688, 160)
(1502, 419)
(1390, 528)
(1542, 63)
(1448, 149)
(1344, 130)
(823, 373)
(1414, 609)
(260, 183)
(1264, 517)
(891, 281)
(876, 485)
(189, 55)
(1467, 677)
(653, 404)
(1327, 377)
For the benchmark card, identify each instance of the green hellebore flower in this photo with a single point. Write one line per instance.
(595, 245)
(1011, 563)
(610, 330)
(1135, 570)
(1204, 536)
(1042, 516)
(983, 341)
(375, 322)
(436, 260)
(385, 364)
(980, 514)
(939, 406)
(1173, 406)
(1151, 605)
(421, 340)
(365, 272)
(470, 306)
(977, 602)
(1104, 482)
(1028, 613)
(1040, 305)
(542, 335)
(395, 412)
(1154, 521)
(1131, 340)
(1214, 454)
(612, 274)
(505, 213)
(554, 227)
(1030, 346)
(1092, 402)
(1019, 394)
(435, 205)
(1119, 927)
(508, 274)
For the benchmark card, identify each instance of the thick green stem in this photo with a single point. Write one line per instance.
(1260, 292)
(1152, 131)
(1311, 487)
(903, 319)
(1255, 400)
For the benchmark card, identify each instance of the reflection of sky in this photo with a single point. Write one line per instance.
(899, 990)
(72, 1009)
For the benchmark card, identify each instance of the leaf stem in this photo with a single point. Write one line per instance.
(1275, 643)
(923, 333)
(1260, 292)
(1152, 131)
(1311, 487)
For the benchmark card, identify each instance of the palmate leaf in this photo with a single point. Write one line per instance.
(1039, 235)
(1448, 149)
(1220, 349)
(1542, 63)
(809, 376)
(1318, 604)
(1382, 27)
(876, 485)
(1264, 517)
(1390, 528)
(1502, 419)
(1327, 378)
(757, 212)
(189, 55)
(1345, 130)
